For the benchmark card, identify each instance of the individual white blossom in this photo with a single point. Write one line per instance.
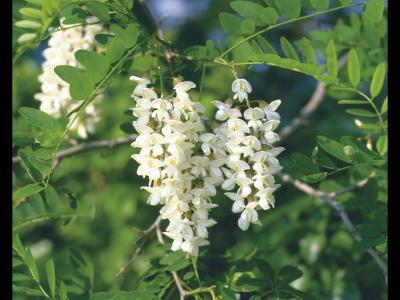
(54, 96)
(247, 143)
(241, 88)
(182, 162)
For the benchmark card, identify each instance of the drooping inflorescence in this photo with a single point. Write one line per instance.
(54, 96)
(182, 176)
(251, 161)
(185, 163)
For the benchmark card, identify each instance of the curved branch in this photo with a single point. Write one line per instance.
(338, 207)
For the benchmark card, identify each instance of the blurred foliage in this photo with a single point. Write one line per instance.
(301, 231)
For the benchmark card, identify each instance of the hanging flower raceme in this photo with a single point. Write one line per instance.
(182, 162)
(54, 96)
(247, 142)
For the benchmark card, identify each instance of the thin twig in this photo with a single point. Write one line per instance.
(327, 198)
(89, 146)
(139, 249)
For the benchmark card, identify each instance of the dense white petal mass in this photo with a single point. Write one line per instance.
(54, 96)
(182, 177)
(250, 155)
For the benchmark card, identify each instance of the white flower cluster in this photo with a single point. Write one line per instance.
(250, 155)
(182, 174)
(54, 96)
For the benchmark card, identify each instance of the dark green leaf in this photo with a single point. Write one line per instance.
(67, 73)
(266, 45)
(287, 274)
(81, 86)
(99, 10)
(314, 177)
(26, 191)
(332, 147)
(52, 199)
(27, 291)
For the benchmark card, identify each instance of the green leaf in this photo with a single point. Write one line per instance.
(384, 106)
(26, 38)
(35, 167)
(288, 49)
(245, 283)
(267, 270)
(289, 8)
(31, 12)
(374, 10)
(16, 277)
(99, 10)
(37, 118)
(249, 10)
(266, 45)
(320, 4)
(314, 177)
(37, 204)
(332, 147)
(227, 294)
(96, 65)
(63, 291)
(28, 24)
(361, 112)
(353, 68)
(382, 144)
(353, 101)
(377, 80)
(269, 15)
(230, 23)
(128, 36)
(287, 274)
(308, 51)
(304, 164)
(174, 256)
(51, 138)
(35, 2)
(67, 73)
(117, 49)
(26, 191)
(81, 86)
(51, 276)
(52, 199)
(27, 291)
(123, 295)
(247, 26)
(331, 59)
(178, 265)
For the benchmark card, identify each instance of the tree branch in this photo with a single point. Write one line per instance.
(338, 207)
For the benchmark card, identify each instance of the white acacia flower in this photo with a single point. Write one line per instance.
(225, 111)
(241, 87)
(54, 96)
(182, 177)
(250, 161)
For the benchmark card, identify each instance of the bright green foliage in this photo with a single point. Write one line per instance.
(88, 206)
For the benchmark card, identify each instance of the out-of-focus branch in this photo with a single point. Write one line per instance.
(311, 106)
(338, 207)
(89, 146)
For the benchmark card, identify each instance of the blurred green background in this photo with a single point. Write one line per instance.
(300, 231)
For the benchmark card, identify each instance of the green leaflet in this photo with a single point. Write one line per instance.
(353, 68)
(289, 8)
(230, 23)
(377, 80)
(374, 10)
(249, 10)
(331, 59)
